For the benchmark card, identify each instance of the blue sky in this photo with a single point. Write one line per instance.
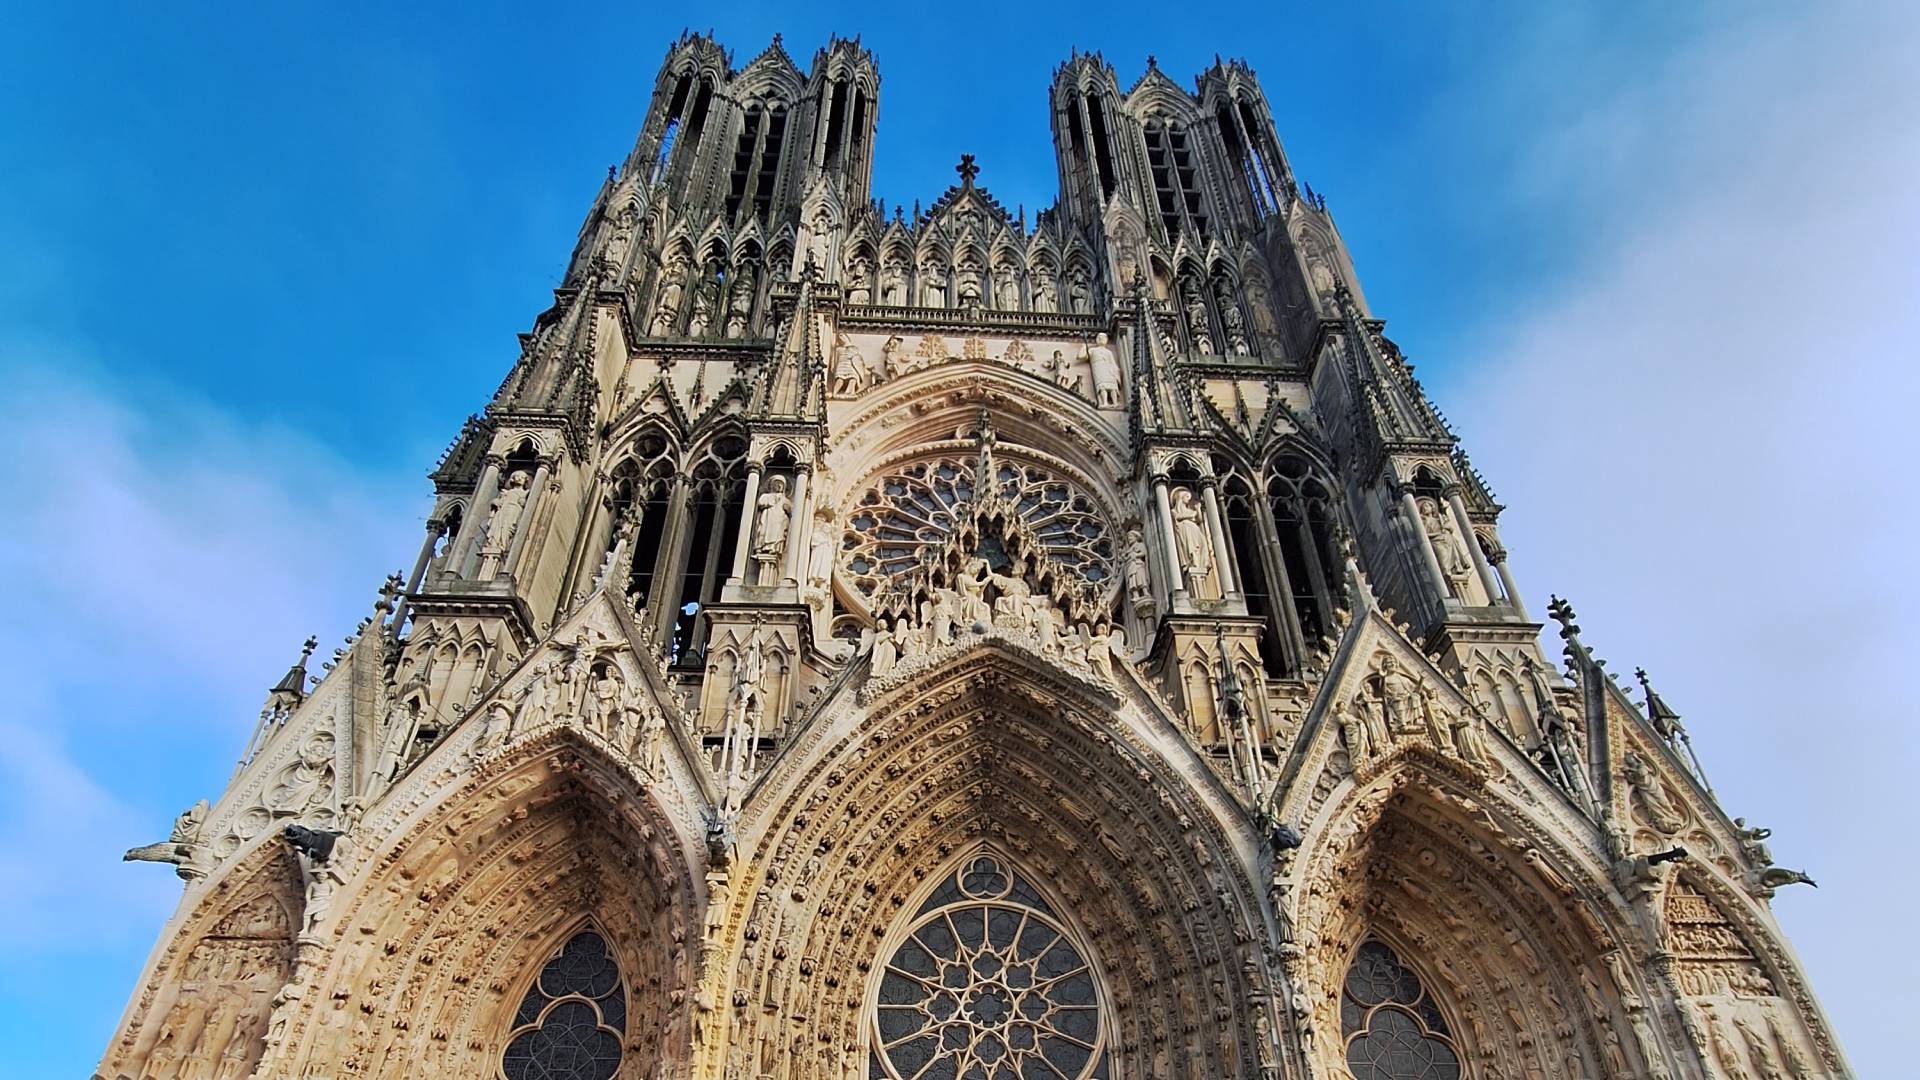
(255, 266)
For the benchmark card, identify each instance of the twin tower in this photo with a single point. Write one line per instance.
(861, 645)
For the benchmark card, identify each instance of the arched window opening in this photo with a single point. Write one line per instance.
(712, 528)
(1241, 154)
(769, 170)
(643, 490)
(857, 137)
(1102, 147)
(743, 157)
(987, 983)
(1303, 519)
(1391, 1026)
(669, 134)
(1262, 171)
(1250, 572)
(836, 122)
(572, 1022)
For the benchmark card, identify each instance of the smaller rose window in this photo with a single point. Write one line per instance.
(987, 986)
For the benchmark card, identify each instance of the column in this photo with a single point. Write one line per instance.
(1222, 559)
(1176, 581)
(796, 525)
(1465, 525)
(536, 498)
(1280, 592)
(1506, 583)
(476, 517)
(1425, 543)
(744, 538)
(434, 525)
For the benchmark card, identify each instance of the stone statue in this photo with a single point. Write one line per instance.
(969, 286)
(1651, 796)
(1063, 374)
(849, 368)
(1106, 373)
(702, 316)
(1753, 842)
(1045, 297)
(819, 560)
(1452, 556)
(668, 307)
(859, 282)
(1079, 292)
(740, 303)
(499, 717)
(893, 285)
(503, 518)
(1006, 289)
(604, 708)
(1469, 739)
(536, 700)
(1198, 324)
(1233, 323)
(1400, 693)
(885, 650)
(820, 244)
(933, 286)
(893, 357)
(770, 515)
(1139, 584)
(650, 748)
(1353, 736)
(1196, 548)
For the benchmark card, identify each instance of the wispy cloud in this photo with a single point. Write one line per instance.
(1702, 439)
(165, 560)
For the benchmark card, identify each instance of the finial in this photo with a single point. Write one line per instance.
(1152, 63)
(612, 171)
(390, 591)
(1562, 613)
(967, 170)
(776, 39)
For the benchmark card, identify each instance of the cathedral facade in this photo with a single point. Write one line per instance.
(861, 644)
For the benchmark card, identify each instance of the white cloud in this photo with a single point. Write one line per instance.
(165, 560)
(1702, 439)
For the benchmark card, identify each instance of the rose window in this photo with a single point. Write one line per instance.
(905, 519)
(987, 986)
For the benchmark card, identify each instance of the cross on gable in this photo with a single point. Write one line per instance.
(967, 170)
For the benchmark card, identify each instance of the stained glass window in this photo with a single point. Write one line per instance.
(905, 518)
(987, 986)
(1392, 1028)
(570, 1024)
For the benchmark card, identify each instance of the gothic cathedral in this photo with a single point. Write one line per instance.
(861, 645)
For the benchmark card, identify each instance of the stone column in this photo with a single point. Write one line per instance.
(1506, 583)
(801, 512)
(1217, 533)
(1465, 525)
(1411, 510)
(434, 525)
(1176, 581)
(536, 498)
(459, 562)
(744, 540)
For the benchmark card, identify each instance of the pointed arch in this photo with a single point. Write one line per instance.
(864, 811)
(451, 906)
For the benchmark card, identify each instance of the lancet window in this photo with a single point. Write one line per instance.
(1390, 1024)
(1303, 516)
(573, 1019)
(1176, 182)
(703, 554)
(987, 984)
(641, 499)
(903, 522)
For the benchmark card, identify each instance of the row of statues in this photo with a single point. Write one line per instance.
(969, 285)
(982, 603)
(854, 373)
(719, 306)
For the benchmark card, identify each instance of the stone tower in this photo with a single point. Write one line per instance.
(854, 644)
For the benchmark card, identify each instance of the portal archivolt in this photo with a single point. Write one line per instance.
(875, 831)
(1504, 960)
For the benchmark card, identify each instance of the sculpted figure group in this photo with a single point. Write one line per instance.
(983, 602)
(1394, 707)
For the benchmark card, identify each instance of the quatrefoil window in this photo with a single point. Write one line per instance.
(570, 1024)
(987, 986)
